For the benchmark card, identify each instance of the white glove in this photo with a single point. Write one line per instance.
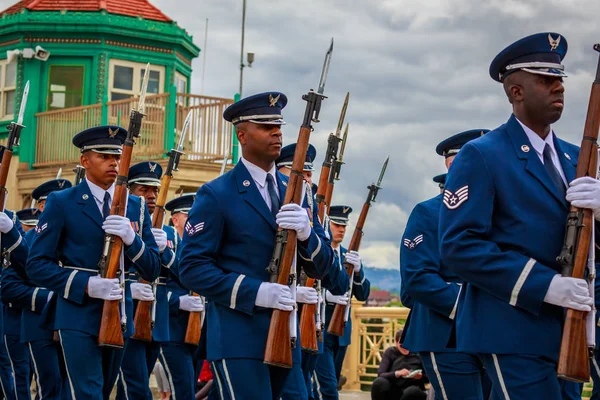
(353, 258)
(191, 303)
(306, 295)
(292, 216)
(274, 295)
(6, 223)
(142, 291)
(160, 237)
(342, 300)
(585, 193)
(119, 226)
(104, 288)
(569, 292)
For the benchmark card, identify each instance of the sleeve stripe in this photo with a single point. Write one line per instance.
(14, 246)
(235, 289)
(69, 282)
(521, 281)
(453, 312)
(33, 296)
(138, 255)
(314, 254)
(168, 266)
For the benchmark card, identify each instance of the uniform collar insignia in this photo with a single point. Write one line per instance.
(273, 100)
(553, 42)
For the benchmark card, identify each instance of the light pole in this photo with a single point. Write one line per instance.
(250, 55)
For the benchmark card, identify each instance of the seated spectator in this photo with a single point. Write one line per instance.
(394, 380)
(163, 387)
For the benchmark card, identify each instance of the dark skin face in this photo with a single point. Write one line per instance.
(150, 193)
(261, 144)
(100, 169)
(537, 100)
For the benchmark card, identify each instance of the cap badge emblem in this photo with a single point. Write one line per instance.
(273, 100)
(553, 42)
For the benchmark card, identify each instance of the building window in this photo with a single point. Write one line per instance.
(8, 85)
(125, 79)
(65, 86)
(180, 86)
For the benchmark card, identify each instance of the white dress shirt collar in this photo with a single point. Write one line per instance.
(98, 192)
(537, 142)
(258, 174)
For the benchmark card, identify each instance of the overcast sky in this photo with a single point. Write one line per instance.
(417, 72)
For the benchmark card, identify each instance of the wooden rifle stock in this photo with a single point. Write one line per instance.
(278, 351)
(194, 326)
(574, 358)
(309, 335)
(4, 168)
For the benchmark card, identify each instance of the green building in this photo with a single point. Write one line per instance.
(85, 60)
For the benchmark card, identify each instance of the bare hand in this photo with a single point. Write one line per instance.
(402, 372)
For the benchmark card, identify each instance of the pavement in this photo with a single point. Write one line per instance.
(354, 395)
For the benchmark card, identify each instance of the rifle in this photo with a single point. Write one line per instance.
(79, 174)
(111, 324)
(145, 312)
(278, 351)
(573, 361)
(341, 312)
(311, 330)
(14, 134)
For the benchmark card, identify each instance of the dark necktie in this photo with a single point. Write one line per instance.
(273, 195)
(106, 205)
(552, 171)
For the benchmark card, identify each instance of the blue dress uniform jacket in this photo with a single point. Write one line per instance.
(178, 318)
(66, 249)
(501, 230)
(427, 281)
(226, 249)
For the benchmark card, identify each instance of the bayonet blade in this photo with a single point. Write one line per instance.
(343, 149)
(338, 131)
(23, 104)
(325, 70)
(59, 174)
(186, 125)
(143, 90)
(383, 171)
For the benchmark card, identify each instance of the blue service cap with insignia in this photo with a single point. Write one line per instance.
(181, 204)
(41, 192)
(29, 216)
(145, 173)
(340, 214)
(101, 139)
(286, 157)
(451, 146)
(539, 54)
(440, 180)
(263, 108)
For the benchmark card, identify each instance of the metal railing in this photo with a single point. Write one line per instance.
(210, 135)
(209, 139)
(55, 131)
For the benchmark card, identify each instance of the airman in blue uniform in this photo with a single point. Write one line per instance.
(64, 255)
(45, 354)
(502, 226)
(228, 243)
(177, 356)
(329, 363)
(140, 356)
(298, 384)
(434, 291)
(29, 218)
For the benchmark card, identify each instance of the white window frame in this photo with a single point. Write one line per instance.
(5, 89)
(137, 80)
(180, 77)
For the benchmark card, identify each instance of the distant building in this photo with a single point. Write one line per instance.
(379, 298)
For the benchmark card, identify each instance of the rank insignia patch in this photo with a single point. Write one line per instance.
(412, 244)
(193, 229)
(454, 200)
(40, 229)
